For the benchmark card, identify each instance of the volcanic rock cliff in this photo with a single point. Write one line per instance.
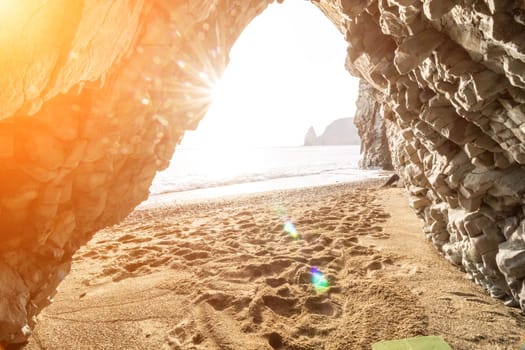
(95, 95)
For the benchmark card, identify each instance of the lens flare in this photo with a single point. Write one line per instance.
(319, 281)
(289, 228)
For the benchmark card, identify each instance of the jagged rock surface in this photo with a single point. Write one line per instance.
(339, 132)
(88, 116)
(370, 124)
(450, 78)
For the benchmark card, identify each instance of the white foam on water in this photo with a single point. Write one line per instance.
(197, 174)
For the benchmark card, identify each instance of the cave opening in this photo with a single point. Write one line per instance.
(286, 74)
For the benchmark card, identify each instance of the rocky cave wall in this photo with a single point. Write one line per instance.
(96, 95)
(453, 102)
(371, 126)
(453, 107)
(94, 99)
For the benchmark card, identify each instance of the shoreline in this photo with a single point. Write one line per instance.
(223, 274)
(259, 187)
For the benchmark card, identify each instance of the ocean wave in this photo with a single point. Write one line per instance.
(200, 169)
(183, 185)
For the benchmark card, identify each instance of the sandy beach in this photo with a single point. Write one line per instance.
(224, 274)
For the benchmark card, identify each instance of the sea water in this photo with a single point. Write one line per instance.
(212, 172)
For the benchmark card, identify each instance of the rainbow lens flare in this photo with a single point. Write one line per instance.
(319, 281)
(289, 228)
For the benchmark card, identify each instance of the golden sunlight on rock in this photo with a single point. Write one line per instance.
(29, 50)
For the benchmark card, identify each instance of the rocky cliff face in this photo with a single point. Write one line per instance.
(339, 132)
(370, 122)
(95, 96)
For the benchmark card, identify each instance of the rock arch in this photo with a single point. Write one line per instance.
(96, 95)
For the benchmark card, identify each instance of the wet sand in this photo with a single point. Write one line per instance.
(224, 274)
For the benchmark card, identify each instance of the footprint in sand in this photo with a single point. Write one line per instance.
(132, 267)
(320, 305)
(374, 265)
(184, 336)
(343, 228)
(321, 260)
(346, 242)
(126, 238)
(180, 251)
(328, 226)
(196, 255)
(358, 250)
(275, 282)
(337, 264)
(220, 301)
(281, 305)
(284, 291)
(170, 233)
(275, 340)
(243, 213)
(90, 254)
(305, 222)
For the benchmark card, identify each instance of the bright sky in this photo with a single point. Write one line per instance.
(286, 73)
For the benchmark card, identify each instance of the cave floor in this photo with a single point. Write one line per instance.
(223, 274)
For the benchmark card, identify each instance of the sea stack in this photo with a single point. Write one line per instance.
(310, 139)
(339, 132)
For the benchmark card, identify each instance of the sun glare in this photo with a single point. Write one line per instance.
(9, 8)
(12, 13)
(286, 73)
(195, 86)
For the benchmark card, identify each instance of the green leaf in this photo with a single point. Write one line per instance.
(417, 343)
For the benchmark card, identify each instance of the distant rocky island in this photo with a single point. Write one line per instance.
(339, 132)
